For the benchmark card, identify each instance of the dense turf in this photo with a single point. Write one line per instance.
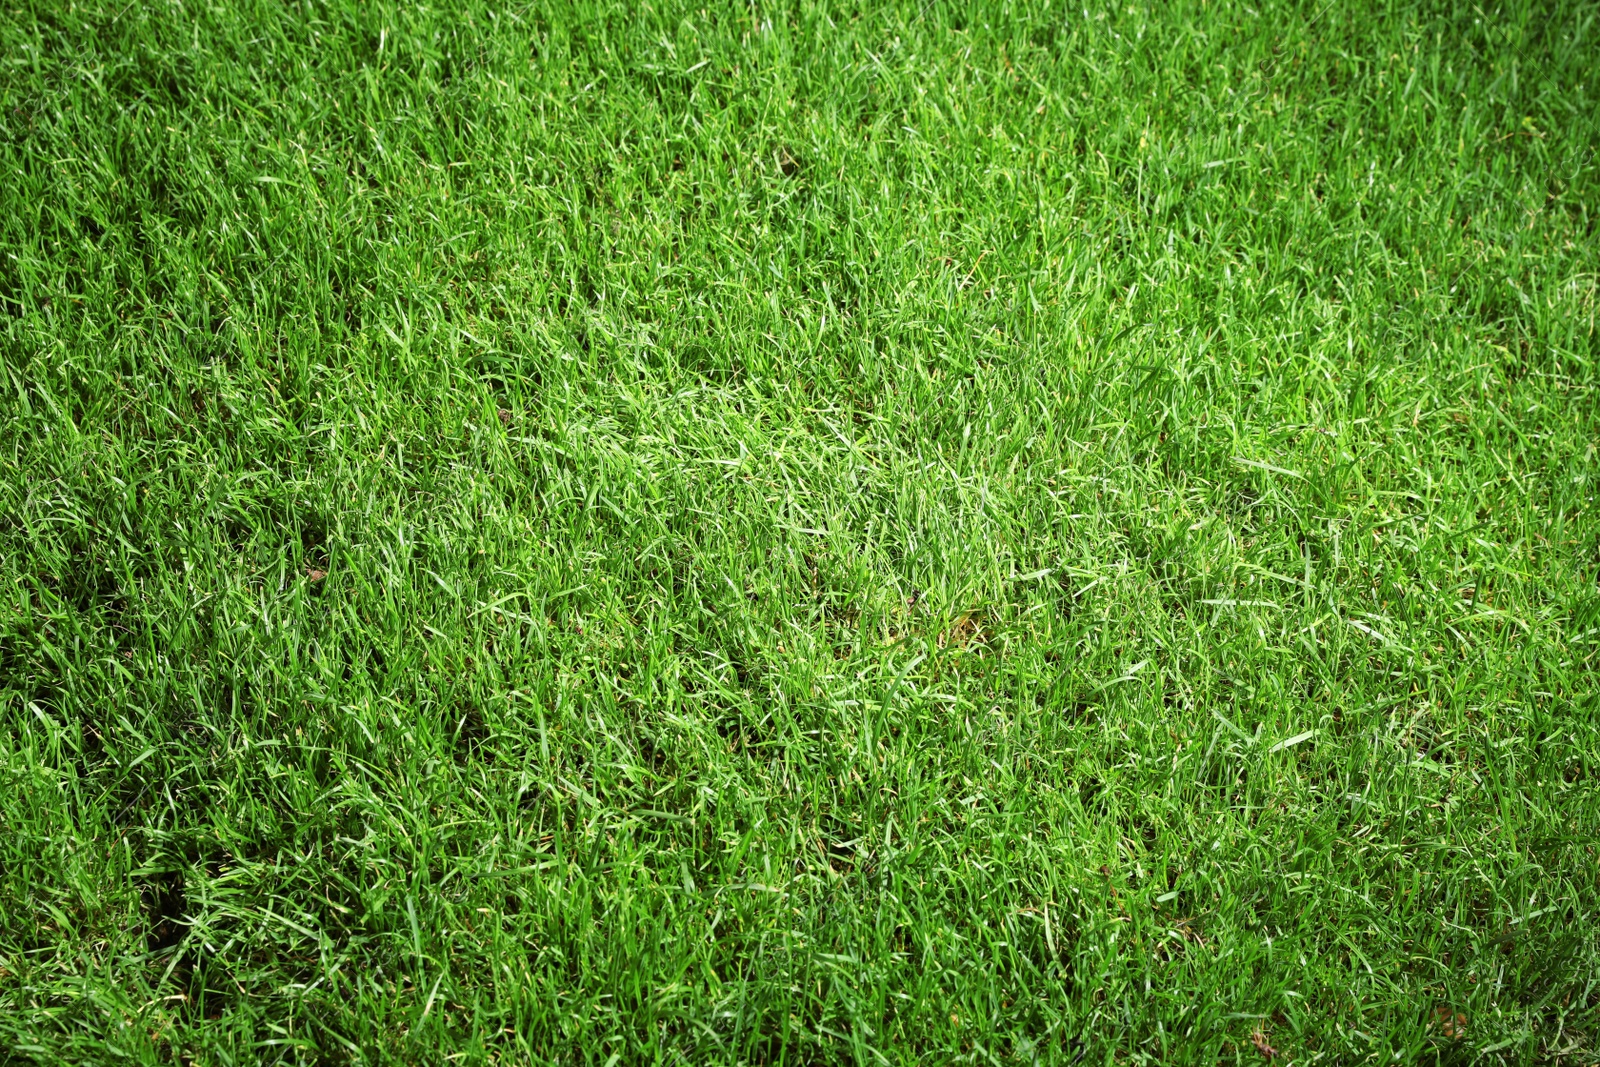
(964, 532)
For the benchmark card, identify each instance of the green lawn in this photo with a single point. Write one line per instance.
(774, 533)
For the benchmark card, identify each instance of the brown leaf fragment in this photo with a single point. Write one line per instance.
(1452, 1024)
(1259, 1040)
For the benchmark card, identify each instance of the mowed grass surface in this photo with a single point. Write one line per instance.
(799, 534)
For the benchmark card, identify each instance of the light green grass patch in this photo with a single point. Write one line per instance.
(798, 534)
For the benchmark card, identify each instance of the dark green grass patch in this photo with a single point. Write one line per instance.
(799, 534)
